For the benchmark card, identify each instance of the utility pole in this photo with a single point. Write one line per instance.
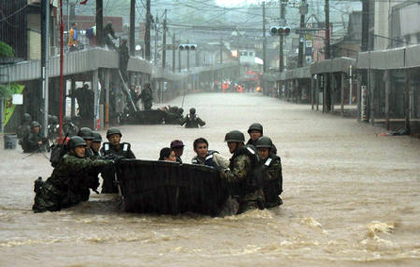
(173, 52)
(45, 15)
(221, 50)
(99, 23)
(188, 58)
(156, 38)
(264, 41)
(164, 41)
(365, 25)
(327, 30)
(327, 90)
(303, 11)
(147, 33)
(282, 23)
(132, 26)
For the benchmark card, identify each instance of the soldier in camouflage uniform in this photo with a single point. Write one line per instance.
(69, 181)
(96, 145)
(192, 120)
(25, 128)
(273, 184)
(146, 96)
(35, 141)
(114, 150)
(69, 129)
(87, 134)
(242, 173)
(255, 131)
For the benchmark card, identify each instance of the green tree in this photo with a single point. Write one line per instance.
(6, 50)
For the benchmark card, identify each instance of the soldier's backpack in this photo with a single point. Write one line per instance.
(58, 151)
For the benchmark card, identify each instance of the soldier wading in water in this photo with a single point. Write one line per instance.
(70, 181)
(114, 150)
(245, 174)
(273, 183)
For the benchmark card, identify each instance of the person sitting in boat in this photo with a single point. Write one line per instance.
(115, 150)
(207, 157)
(178, 147)
(167, 154)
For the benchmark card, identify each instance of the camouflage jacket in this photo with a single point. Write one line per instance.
(68, 184)
(73, 172)
(239, 174)
(30, 143)
(23, 130)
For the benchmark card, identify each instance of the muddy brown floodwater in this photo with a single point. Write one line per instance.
(351, 196)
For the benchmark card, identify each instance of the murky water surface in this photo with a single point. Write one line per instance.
(350, 197)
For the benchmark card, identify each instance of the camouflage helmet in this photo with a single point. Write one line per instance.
(255, 127)
(192, 110)
(35, 124)
(76, 141)
(235, 136)
(264, 142)
(97, 137)
(113, 130)
(27, 117)
(86, 133)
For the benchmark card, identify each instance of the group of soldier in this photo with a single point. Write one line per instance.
(76, 170)
(30, 137)
(253, 173)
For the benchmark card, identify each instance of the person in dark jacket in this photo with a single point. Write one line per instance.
(35, 141)
(146, 96)
(178, 147)
(192, 120)
(273, 184)
(24, 129)
(69, 128)
(124, 57)
(115, 150)
(96, 145)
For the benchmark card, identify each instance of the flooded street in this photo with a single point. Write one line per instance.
(350, 196)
